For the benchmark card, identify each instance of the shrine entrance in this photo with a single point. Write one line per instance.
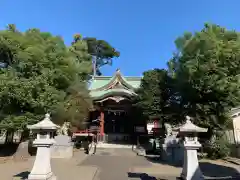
(118, 122)
(113, 112)
(115, 121)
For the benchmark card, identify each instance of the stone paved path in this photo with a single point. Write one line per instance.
(121, 164)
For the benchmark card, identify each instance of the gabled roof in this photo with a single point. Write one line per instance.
(111, 92)
(101, 82)
(104, 86)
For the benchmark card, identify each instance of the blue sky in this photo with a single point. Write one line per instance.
(143, 31)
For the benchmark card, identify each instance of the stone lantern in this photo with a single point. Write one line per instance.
(191, 169)
(42, 167)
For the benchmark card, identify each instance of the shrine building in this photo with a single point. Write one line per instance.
(116, 117)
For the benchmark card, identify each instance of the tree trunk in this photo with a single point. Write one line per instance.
(9, 137)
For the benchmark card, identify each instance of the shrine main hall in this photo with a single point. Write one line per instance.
(116, 117)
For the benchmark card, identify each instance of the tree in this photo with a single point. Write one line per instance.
(76, 107)
(37, 77)
(202, 80)
(101, 51)
(206, 70)
(154, 94)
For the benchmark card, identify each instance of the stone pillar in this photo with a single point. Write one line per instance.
(191, 169)
(42, 166)
(102, 123)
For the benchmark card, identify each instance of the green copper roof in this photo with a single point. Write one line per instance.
(100, 81)
(110, 92)
(103, 86)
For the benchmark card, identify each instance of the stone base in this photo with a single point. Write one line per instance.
(61, 151)
(172, 154)
(141, 151)
(42, 177)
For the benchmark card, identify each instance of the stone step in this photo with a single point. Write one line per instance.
(107, 145)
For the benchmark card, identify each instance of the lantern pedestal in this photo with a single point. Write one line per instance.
(191, 170)
(45, 133)
(42, 166)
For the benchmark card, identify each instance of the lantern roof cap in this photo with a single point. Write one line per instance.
(190, 127)
(46, 123)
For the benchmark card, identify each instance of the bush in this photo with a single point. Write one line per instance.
(218, 148)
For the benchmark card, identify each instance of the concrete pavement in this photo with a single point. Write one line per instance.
(123, 164)
(63, 168)
(114, 164)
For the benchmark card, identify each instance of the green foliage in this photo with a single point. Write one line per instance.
(77, 104)
(101, 51)
(207, 75)
(39, 72)
(218, 148)
(202, 80)
(154, 93)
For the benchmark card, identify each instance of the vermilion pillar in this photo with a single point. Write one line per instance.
(102, 123)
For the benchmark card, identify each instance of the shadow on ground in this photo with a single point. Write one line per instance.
(212, 170)
(157, 159)
(142, 176)
(22, 175)
(145, 176)
(21, 149)
(8, 149)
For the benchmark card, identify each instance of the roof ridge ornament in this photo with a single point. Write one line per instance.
(188, 120)
(47, 116)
